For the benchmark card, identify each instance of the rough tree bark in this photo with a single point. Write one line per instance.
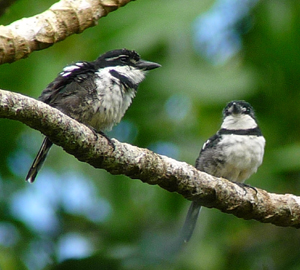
(149, 167)
(61, 20)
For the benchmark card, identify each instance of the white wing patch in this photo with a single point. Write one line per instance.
(205, 144)
(69, 69)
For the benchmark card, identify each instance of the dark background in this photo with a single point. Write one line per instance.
(77, 217)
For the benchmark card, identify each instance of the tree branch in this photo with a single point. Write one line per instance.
(149, 167)
(61, 20)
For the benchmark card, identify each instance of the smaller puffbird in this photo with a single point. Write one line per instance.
(96, 93)
(234, 153)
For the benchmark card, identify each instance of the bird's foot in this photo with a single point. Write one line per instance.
(243, 186)
(110, 142)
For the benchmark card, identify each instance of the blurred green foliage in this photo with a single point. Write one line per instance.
(128, 224)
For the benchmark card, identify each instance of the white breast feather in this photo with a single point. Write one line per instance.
(241, 121)
(113, 99)
(243, 154)
(134, 74)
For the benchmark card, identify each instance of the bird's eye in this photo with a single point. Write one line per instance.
(226, 112)
(124, 59)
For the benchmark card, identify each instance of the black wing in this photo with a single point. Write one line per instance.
(73, 75)
(211, 142)
(69, 91)
(206, 153)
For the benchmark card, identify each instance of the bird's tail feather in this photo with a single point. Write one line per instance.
(190, 221)
(39, 160)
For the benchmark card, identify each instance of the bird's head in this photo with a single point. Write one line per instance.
(238, 114)
(125, 63)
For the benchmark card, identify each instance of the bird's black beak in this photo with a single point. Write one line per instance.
(235, 109)
(146, 65)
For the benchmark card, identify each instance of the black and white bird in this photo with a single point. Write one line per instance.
(234, 153)
(95, 93)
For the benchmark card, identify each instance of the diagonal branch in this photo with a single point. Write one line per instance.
(61, 20)
(149, 167)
